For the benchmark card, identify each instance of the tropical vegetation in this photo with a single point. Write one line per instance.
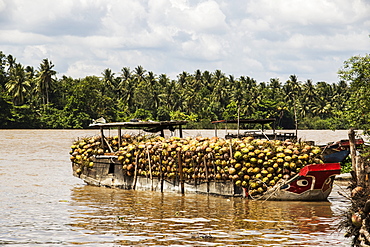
(36, 98)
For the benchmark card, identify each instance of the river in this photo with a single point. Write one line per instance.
(42, 204)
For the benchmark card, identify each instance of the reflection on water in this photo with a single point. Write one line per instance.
(135, 217)
(42, 204)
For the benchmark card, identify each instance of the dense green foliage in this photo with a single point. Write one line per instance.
(32, 98)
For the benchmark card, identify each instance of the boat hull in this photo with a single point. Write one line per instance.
(313, 183)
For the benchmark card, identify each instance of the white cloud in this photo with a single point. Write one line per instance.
(2, 5)
(261, 39)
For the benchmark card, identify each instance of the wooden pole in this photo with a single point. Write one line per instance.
(108, 145)
(135, 172)
(206, 172)
(352, 149)
(150, 170)
(238, 121)
(161, 172)
(181, 173)
(360, 171)
(357, 161)
(119, 137)
(295, 119)
(180, 130)
(102, 138)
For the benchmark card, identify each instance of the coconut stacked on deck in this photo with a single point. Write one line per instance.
(256, 164)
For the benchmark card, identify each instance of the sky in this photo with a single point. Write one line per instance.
(261, 39)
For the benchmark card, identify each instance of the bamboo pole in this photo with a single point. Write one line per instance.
(238, 121)
(119, 137)
(102, 138)
(108, 145)
(295, 119)
(206, 172)
(160, 172)
(180, 131)
(135, 172)
(194, 174)
(181, 173)
(150, 170)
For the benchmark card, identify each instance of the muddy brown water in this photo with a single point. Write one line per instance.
(42, 204)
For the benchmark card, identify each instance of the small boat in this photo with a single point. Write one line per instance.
(339, 151)
(312, 183)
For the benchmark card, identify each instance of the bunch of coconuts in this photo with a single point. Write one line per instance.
(83, 149)
(256, 164)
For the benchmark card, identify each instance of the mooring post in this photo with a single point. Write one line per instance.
(357, 161)
(352, 148)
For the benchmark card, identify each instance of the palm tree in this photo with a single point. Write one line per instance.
(292, 89)
(169, 98)
(11, 62)
(3, 76)
(140, 73)
(341, 95)
(30, 71)
(274, 89)
(18, 86)
(33, 94)
(127, 87)
(109, 80)
(309, 98)
(219, 97)
(323, 108)
(155, 90)
(251, 95)
(45, 79)
(126, 73)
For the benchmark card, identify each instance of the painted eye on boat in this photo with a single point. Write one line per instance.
(302, 182)
(329, 180)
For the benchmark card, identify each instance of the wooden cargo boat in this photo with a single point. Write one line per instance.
(312, 183)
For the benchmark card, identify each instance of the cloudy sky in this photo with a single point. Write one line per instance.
(262, 39)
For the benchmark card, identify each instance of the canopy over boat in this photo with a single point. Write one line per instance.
(257, 134)
(148, 126)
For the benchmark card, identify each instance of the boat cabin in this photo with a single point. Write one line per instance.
(258, 134)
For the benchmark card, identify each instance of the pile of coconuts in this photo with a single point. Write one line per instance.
(255, 164)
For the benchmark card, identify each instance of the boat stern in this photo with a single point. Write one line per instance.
(313, 183)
